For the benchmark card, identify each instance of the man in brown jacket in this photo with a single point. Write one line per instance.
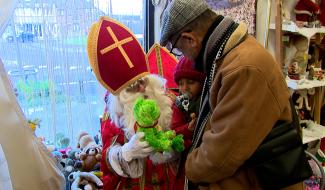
(244, 95)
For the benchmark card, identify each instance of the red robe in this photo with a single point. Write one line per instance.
(161, 176)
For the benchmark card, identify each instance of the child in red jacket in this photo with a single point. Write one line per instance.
(190, 84)
(186, 107)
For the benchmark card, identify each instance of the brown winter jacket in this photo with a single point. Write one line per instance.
(248, 95)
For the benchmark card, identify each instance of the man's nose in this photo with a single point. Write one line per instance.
(142, 88)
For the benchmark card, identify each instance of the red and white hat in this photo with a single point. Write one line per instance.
(162, 63)
(115, 55)
(306, 7)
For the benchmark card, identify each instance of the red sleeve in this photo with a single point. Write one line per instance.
(180, 126)
(110, 134)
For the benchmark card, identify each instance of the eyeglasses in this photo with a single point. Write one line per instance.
(135, 86)
(176, 51)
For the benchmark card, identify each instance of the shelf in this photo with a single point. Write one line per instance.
(292, 27)
(304, 84)
(312, 132)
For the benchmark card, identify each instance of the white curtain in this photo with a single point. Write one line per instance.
(6, 10)
(44, 53)
(45, 74)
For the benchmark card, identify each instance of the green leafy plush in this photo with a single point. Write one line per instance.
(146, 113)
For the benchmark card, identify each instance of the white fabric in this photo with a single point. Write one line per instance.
(114, 160)
(5, 181)
(132, 169)
(136, 148)
(159, 158)
(30, 164)
(6, 10)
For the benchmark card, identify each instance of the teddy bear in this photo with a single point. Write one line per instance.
(146, 113)
(91, 153)
(85, 181)
(90, 159)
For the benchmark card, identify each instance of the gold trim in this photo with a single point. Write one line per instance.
(123, 26)
(92, 47)
(154, 179)
(129, 83)
(164, 49)
(92, 53)
(142, 179)
(159, 62)
(118, 44)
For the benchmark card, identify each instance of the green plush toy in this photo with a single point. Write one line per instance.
(146, 113)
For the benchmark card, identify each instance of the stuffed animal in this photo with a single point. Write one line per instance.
(303, 98)
(74, 154)
(68, 166)
(307, 12)
(146, 113)
(301, 55)
(90, 159)
(85, 140)
(85, 180)
(293, 71)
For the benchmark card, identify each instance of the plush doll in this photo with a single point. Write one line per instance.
(188, 106)
(303, 98)
(147, 112)
(293, 70)
(68, 166)
(307, 12)
(74, 154)
(85, 140)
(301, 55)
(85, 180)
(90, 159)
(57, 156)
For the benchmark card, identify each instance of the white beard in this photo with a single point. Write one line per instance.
(120, 107)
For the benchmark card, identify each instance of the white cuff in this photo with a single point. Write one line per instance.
(113, 158)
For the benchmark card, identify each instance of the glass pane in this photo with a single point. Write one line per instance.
(44, 53)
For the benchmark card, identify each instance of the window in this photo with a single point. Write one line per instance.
(44, 52)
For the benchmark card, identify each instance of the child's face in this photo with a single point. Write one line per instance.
(192, 87)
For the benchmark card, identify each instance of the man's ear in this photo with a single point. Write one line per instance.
(191, 38)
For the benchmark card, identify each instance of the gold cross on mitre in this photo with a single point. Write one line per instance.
(118, 44)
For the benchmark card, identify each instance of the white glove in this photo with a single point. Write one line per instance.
(136, 148)
(159, 158)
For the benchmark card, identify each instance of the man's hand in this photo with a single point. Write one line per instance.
(192, 124)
